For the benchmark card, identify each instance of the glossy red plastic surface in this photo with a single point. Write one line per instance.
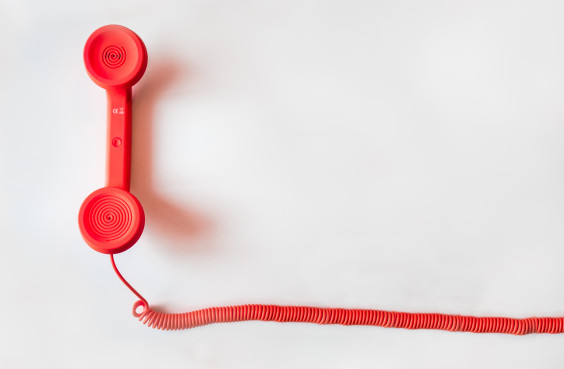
(111, 219)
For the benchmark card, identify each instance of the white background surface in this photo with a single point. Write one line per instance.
(401, 155)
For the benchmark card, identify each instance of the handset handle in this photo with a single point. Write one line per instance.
(111, 219)
(118, 141)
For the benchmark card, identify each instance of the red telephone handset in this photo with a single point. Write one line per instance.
(111, 219)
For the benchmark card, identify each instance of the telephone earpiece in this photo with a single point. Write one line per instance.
(111, 219)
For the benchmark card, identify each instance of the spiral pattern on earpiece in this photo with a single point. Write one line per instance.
(114, 56)
(110, 217)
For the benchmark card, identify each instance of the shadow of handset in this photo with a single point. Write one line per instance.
(164, 215)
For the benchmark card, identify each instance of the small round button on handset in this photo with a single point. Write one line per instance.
(111, 219)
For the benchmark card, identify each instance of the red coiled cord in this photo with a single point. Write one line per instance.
(307, 314)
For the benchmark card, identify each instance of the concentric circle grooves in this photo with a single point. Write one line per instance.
(110, 217)
(113, 56)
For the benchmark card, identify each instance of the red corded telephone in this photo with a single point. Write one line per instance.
(111, 219)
